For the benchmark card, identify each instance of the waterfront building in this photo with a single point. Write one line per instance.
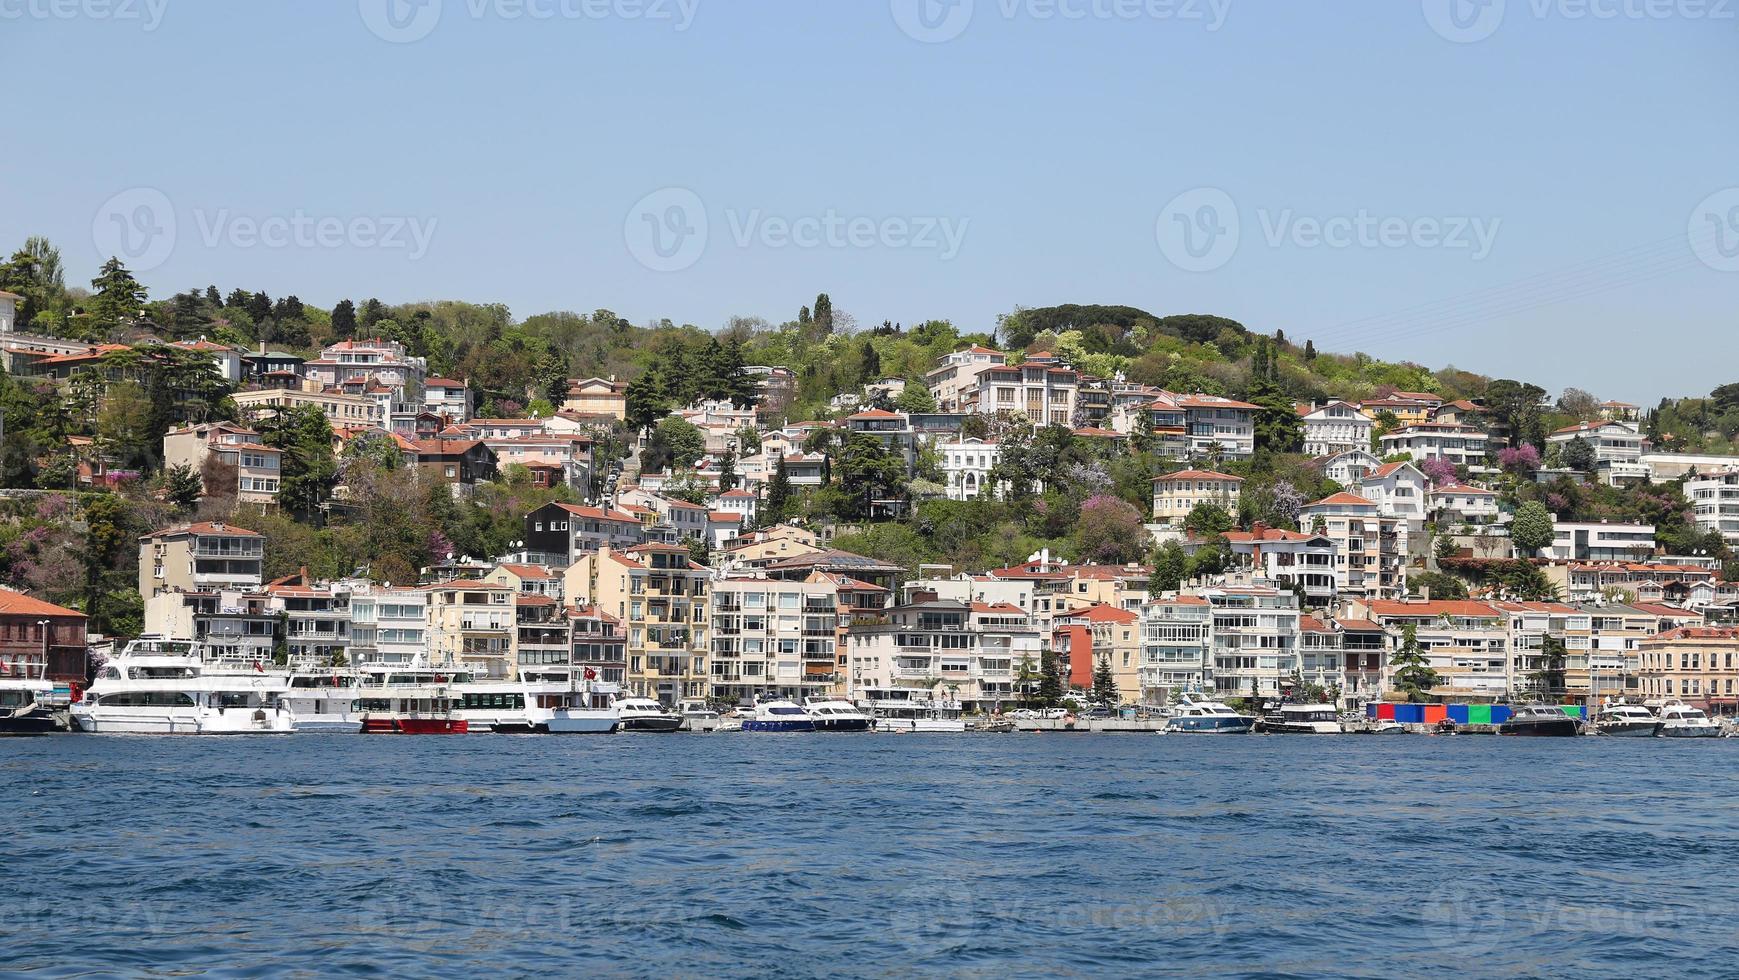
(774, 638)
(939, 649)
(316, 620)
(1467, 643)
(1175, 649)
(660, 597)
(471, 627)
(199, 557)
(1696, 664)
(1100, 636)
(1254, 630)
(389, 625)
(41, 639)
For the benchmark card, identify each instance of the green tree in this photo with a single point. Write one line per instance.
(675, 444)
(869, 471)
(915, 399)
(344, 320)
(1104, 684)
(182, 487)
(1548, 681)
(1532, 529)
(1050, 693)
(778, 495)
(1579, 455)
(1170, 565)
(118, 299)
(1207, 519)
(309, 470)
(1413, 675)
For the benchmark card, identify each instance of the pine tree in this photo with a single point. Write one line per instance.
(344, 320)
(372, 313)
(1050, 680)
(1414, 676)
(728, 470)
(778, 495)
(872, 364)
(823, 314)
(1104, 684)
(259, 307)
(119, 298)
(1310, 350)
(238, 299)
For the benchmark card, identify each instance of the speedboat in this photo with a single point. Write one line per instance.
(698, 716)
(779, 716)
(159, 686)
(24, 697)
(1540, 720)
(1194, 717)
(646, 715)
(1680, 720)
(1630, 720)
(833, 715)
(1301, 719)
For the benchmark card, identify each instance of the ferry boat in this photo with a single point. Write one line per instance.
(930, 717)
(1194, 717)
(580, 710)
(24, 700)
(1544, 720)
(1680, 720)
(1628, 720)
(409, 710)
(1301, 719)
(324, 702)
(160, 686)
(779, 716)
(646, 715)
(834, 715)
(499, 707)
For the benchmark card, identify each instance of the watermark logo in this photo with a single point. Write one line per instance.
(667, 230)
(400, 21)
(147, 13)
(136, 226)
(932, 21)
(1714, 230)
(1464, 21)
(1199, 230)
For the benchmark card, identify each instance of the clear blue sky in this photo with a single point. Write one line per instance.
(1057, 142)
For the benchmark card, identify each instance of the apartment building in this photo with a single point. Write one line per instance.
(1291, 559)
(1370, 549)
(542, 638)
(1399, 490)
(774, 638)
(389, 626)
(955, 376)
(1695, 664)
(316, 621)
(661, 600)
(1458, 503)
(1715, 500)
(1175, 649)
(1348, 468)
(1254, 637)
(600, 650)
(1612, 442)
(1589, 541)
(471, 627)
(449, 399)
(340, 408)
(1039, 388)
(231, 453)
(235, 624)
(604, 398)
(942, 650)
(1462, 445)
(1098, 636)
(1176, 494)
(1216, 426)
(1334, 428)
(560, 533)
(200, 557)
(1467, 643)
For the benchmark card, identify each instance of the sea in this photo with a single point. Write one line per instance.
(743, 855)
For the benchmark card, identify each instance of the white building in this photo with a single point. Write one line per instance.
(8, 310)
(1348, 468)
(1462, 445)
(1290, 558)
(1398, 490)
(1617, 449)
(1715, 499)
(957, 374)
(1601, 541)
(1176, 494)
(1255, 639)
(966, 466)
(1461, 504)
(942, 650)
(1174, 648)
(773, 638)
(1337, 427)
(1370, 549)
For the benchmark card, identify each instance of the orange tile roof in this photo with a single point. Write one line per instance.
(18, 604)
(1197, 475)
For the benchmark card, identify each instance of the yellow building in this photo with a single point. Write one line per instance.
(597, 398)
(471, 627)
(661, 597)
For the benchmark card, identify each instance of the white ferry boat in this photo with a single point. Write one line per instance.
(1301, 719)
(160, 686)
(1200, 717)
(646, 715)
(900, 715)
(590, 709)
(1680, 720)
(24, 700)
(324, 702)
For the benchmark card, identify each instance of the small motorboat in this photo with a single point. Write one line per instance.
(834, 715)
(779, 716)
(1192, 717)
(1680, 720)
(1627, 720)
(1301, 719)
(1546, 720)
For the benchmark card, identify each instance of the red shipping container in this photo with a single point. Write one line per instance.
(1385, 711)
(1435, 713)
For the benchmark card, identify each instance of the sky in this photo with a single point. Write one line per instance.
(1545, 189)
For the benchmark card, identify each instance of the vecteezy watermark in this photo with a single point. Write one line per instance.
(141, 227)
(1468, 21)
(1714, 230)
(405, 21)
(1200, 231)
(669, 229)
(936, 21)
(147, 13)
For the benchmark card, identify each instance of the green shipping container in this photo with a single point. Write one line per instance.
(1573, 710)
(1479, 714)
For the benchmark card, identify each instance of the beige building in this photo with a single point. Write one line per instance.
(597, 398)
(471, 626)
(200, 557)
(340, 408)
(773, 637)
(661, 598)
(1176, 494)
(228, 449)
(1696, 664)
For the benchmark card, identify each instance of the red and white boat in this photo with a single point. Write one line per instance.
(409, 711)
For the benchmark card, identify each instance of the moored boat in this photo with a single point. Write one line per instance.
(928, 717)
(1202, 717)
(833, 715)
(1680, 720)
(324, 702)
(779, 716)
(1540, 720)
(1626, 720)
(580, 709)
(698, 716)
(24, 700)
(1301, 719)
(160, 686)
(646, 715)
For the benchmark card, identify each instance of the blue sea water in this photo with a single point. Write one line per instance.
(747, 855)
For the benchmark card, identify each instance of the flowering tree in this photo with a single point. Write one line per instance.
(1440, 471)
(1521, 460)
(1110, 531)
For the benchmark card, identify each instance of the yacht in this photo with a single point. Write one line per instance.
(646, 715)
(1631, 720)
(1540, 720)
(779, 716)
(1680, 720)
(24, 700)
(324, 702)
(1301, 719)
(499, 707)
(834, 715)
(932, 717)
(698, 716)
(159, 686)
(1194, 717)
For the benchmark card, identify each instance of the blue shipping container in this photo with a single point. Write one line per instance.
(1371, 710)
(1410, 714)
(1458, 713)
(1500, 713)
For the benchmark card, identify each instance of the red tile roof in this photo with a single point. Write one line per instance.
(18, 604)
(1197, 475)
